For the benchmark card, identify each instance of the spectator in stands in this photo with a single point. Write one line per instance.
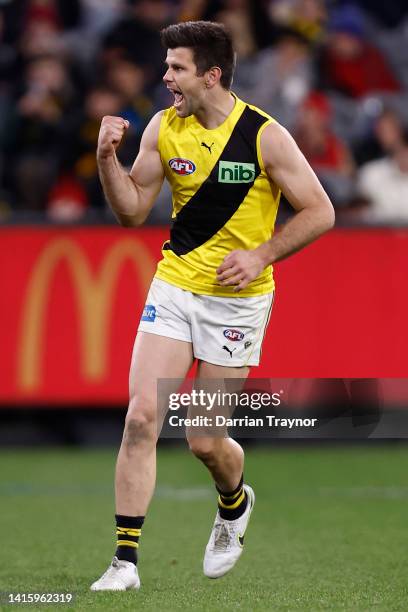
(65, 15)
(389, 131)
(350, 64)
(307, 17)
(98, 17)
(39, 37)
(383, 183)
(328, 155)
(386, 129)
(41, 25)
(67, 201)
(260, 24)
(81, 137)
(20, 15)
(128, 78)
(235, 15)
(137, 36)
(288, 66)
(192, 10)
(34, 129)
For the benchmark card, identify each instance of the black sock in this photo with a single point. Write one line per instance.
(128, 530)
(232, 504)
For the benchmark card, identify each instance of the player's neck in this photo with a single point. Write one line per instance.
(216, 109)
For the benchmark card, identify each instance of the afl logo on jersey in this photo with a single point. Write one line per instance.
(182, 166)
(234, 334)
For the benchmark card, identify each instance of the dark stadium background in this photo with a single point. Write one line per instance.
(330, 532)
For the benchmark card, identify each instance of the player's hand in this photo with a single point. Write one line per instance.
(110, 135)
(240, 268)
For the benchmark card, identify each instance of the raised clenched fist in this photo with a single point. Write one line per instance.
(110, 135)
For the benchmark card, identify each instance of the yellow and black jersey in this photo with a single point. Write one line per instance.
(222, 198)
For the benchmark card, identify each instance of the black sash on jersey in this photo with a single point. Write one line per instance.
(214, 203)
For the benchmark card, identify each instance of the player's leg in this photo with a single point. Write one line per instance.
(227, 337)
(163, 349)
(222, 456)
(154, 357)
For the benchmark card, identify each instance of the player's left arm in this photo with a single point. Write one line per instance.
(287, 167)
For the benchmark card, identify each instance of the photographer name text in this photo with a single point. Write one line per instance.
(268, 420)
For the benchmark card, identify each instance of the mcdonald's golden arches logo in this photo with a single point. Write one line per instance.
(94, 294)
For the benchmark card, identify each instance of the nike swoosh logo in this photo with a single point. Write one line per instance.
(241, 540)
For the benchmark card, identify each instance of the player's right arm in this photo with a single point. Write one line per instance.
(130, 195)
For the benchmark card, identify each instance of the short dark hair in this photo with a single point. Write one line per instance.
(210, 42)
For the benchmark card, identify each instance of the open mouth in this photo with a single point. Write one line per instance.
(178, 98)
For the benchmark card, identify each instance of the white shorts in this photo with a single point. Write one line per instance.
(223, 331)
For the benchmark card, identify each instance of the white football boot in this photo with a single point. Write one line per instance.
(120, 576)
(226, 542)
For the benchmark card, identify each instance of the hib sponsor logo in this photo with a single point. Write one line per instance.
(236, 172)
(234, 334)
(149, 313)
(182, 166)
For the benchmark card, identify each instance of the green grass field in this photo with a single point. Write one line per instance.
(329, 531)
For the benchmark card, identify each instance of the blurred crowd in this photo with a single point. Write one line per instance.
(334, 73)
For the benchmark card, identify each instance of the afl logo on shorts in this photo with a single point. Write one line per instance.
(234, 334)
(149, 313)
(182, 166)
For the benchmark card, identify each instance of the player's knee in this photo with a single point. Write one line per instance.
(203, 448)
(141, 422)
(139, 428)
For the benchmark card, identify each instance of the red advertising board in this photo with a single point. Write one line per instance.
(71, 300)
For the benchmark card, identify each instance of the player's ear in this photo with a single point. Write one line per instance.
(212, 76)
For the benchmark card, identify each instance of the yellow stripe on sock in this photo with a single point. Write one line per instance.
(232, 496)
(129, 532)
(127, 543)
(235, 504)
